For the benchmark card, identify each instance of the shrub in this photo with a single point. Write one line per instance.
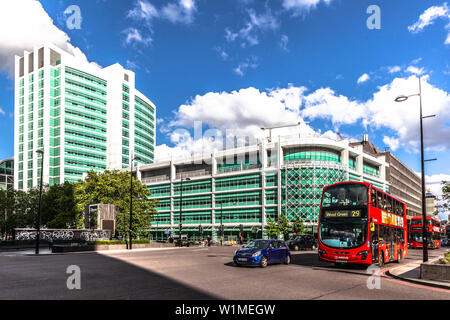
(445, 259)
(110, 242)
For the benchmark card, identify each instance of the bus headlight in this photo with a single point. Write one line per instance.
(363, 254)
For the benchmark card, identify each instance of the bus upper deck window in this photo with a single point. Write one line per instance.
(373, 196)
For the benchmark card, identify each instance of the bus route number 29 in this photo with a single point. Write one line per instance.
(356, 213)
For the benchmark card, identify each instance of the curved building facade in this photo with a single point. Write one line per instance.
(242, 188)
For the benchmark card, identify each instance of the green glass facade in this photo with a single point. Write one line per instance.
(84, 124)
(71, 111)
(248, 194)
(6, 174)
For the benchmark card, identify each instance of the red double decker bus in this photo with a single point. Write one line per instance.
(359, 223)
(416, 232)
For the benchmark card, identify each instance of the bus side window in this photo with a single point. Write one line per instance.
(374, 197)
(381, 237)
(389, 204)
(379, 200)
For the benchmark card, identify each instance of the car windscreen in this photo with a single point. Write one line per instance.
(258, 244)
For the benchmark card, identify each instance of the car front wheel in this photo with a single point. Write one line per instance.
(264, 262)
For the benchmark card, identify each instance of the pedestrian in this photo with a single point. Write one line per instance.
(209, 241)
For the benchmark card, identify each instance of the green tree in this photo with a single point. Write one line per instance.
(18, 209)
(59, 207)
(272, 228)
(297, 225)
(113, 187)
(283, 226)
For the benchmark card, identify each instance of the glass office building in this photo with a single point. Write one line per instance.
(242, 188)
(82, 116)
(6, 174)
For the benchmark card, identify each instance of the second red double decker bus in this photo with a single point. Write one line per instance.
(359, 223)
(416, 233)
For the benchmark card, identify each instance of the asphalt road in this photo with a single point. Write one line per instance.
(197, 273)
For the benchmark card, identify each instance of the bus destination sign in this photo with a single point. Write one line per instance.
(342, 214)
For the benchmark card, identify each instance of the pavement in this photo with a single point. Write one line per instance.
(411, 272)
(42, 251)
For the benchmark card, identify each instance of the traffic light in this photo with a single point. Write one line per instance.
(200, 229)
(222, 229)
(241, 228)
(181, 226)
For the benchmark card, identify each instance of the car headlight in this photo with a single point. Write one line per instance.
(257, 253)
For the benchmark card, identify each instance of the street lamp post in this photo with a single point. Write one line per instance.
(221, 222)
(131, 201)
(38, 222)
(424, 213)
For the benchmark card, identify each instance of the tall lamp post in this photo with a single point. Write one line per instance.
(424, 212)
(221, 222)
(131, 200)
(38, 220)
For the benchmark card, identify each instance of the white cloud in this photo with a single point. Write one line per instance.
(222, 53)
(284, 42)
(243, 66)
(25, 24)
(143, 10)
(244, 111)
(403, 118)
(394, 69)
(391, 142)
(300, 5)
(181, 12)
(131, 65)
(2, 112)
(256, 23)
(324, 103)
(363, 78)
(415, 70)
(134, 36)
(429, 16)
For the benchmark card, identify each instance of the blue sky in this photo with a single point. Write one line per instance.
(205, 55)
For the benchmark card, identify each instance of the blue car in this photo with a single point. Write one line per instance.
(263, 252)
